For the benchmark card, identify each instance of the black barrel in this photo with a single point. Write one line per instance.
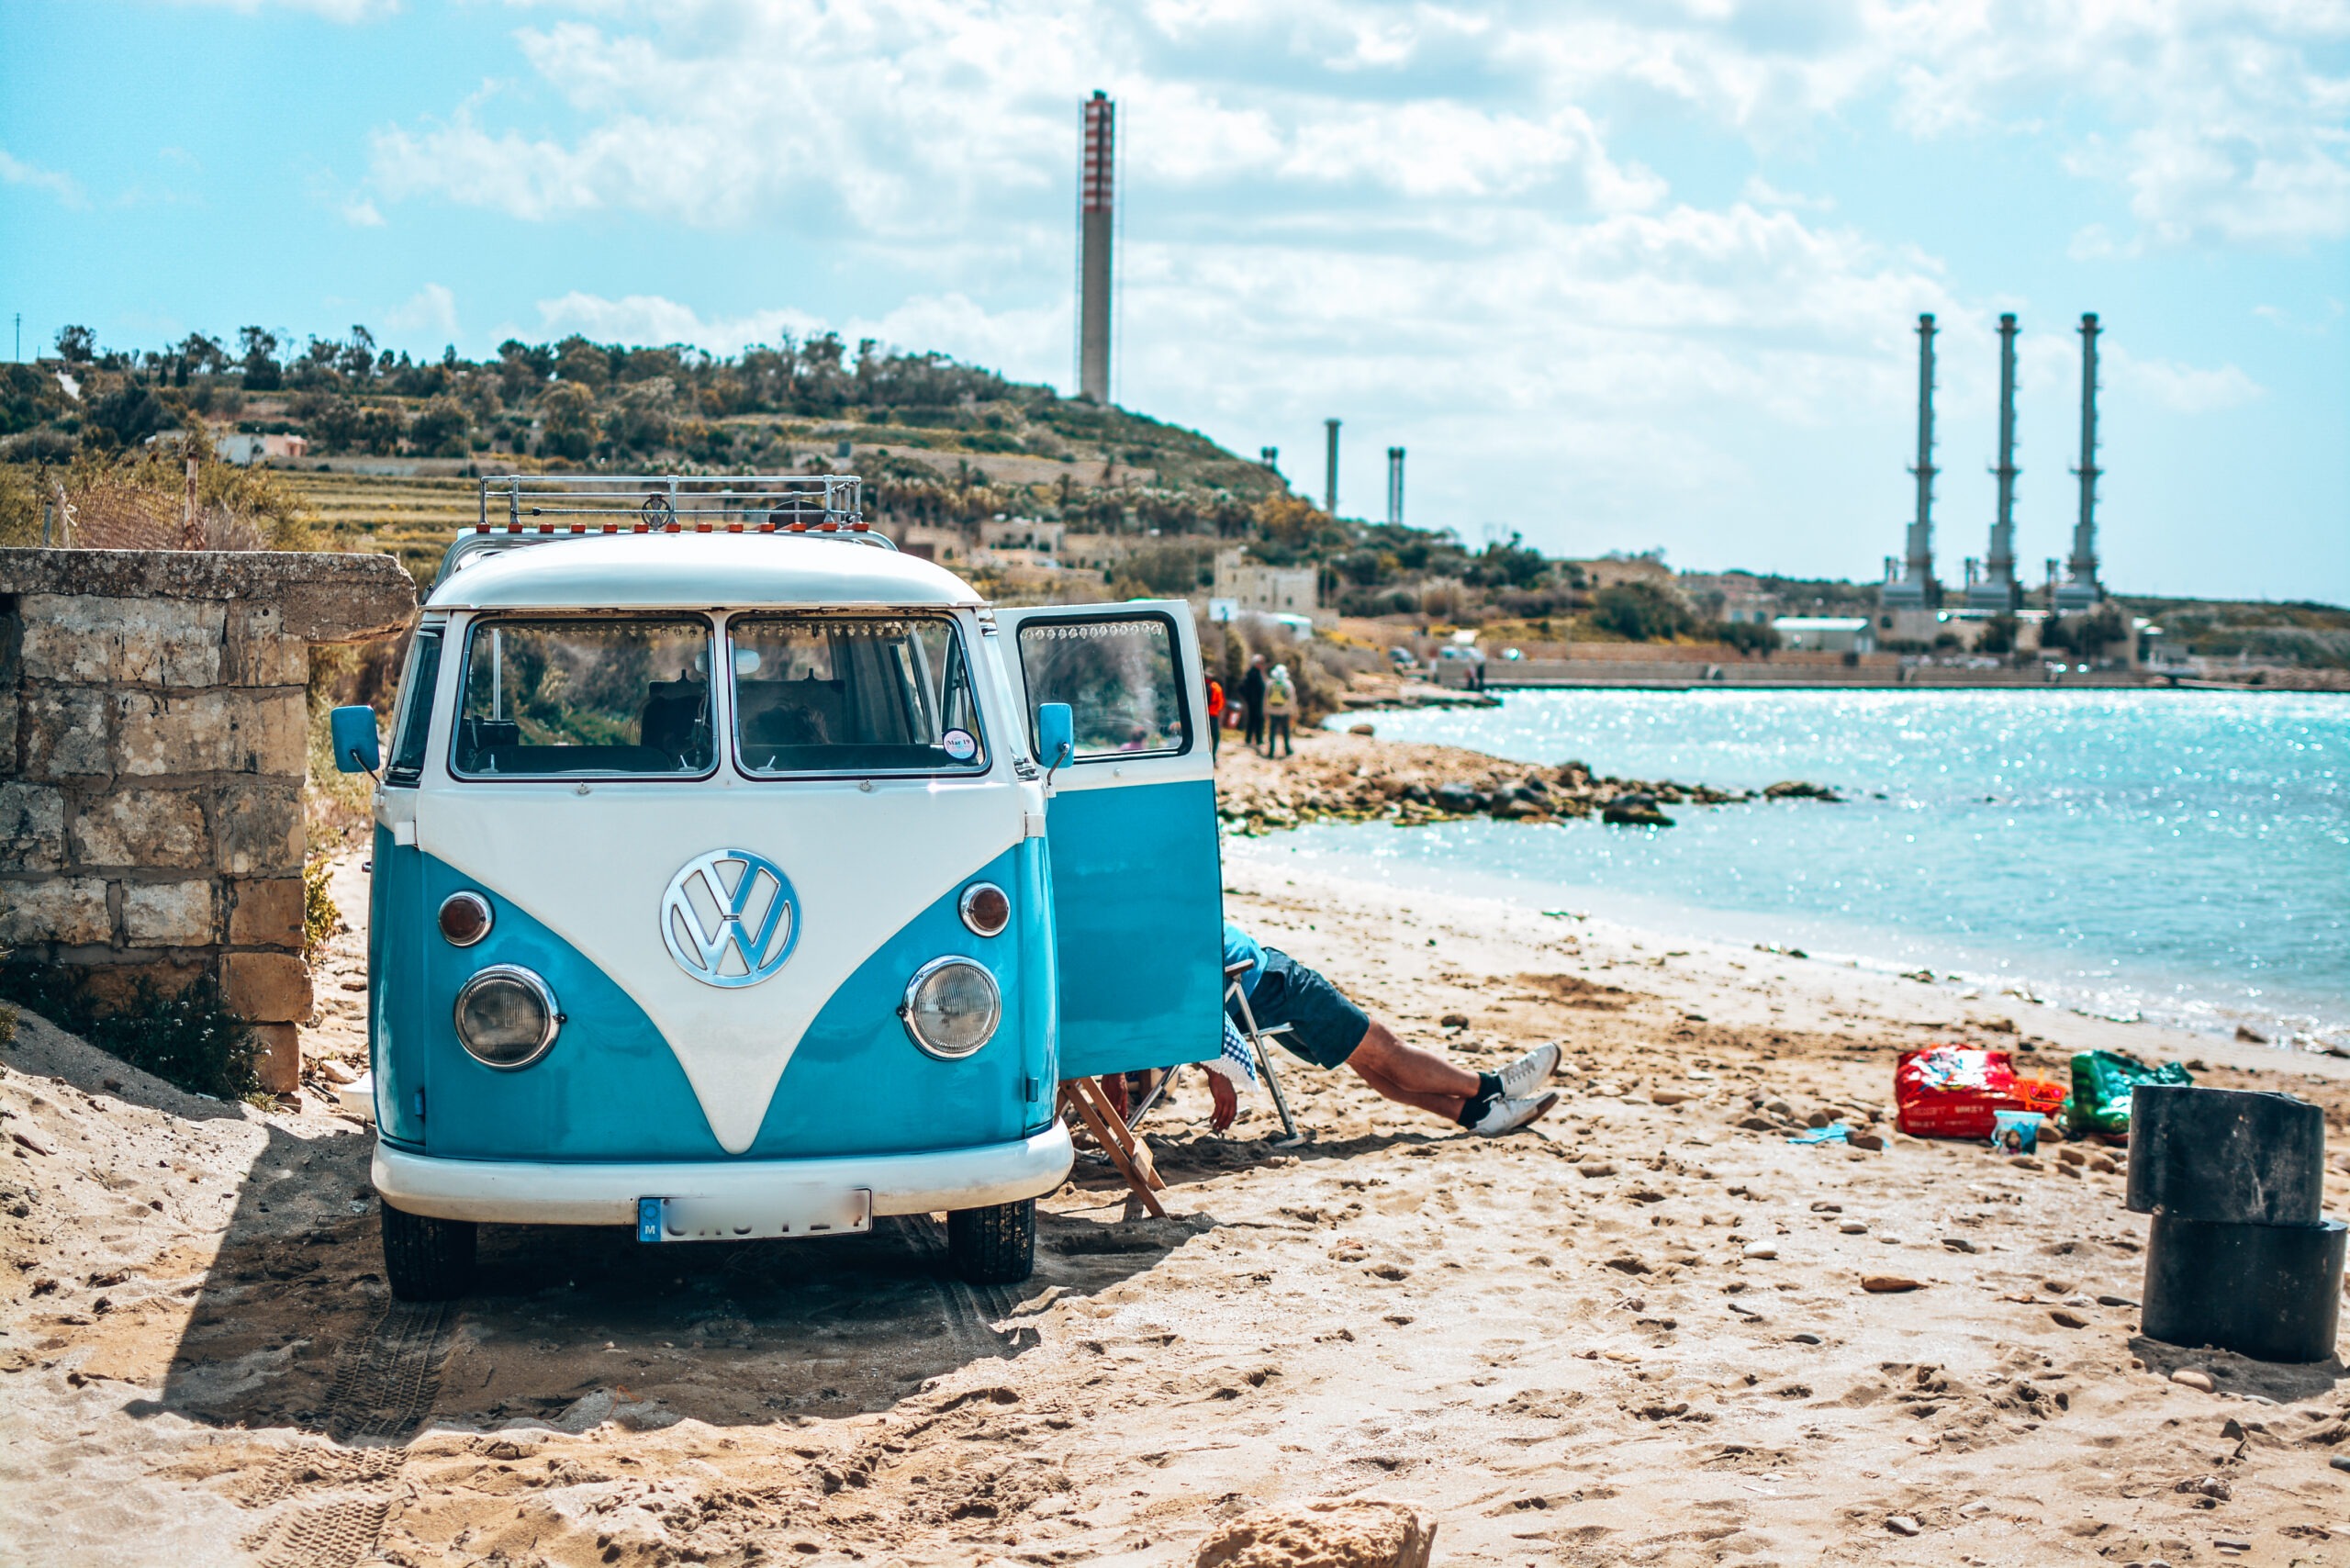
(2270, 1291)
(2225, 1155)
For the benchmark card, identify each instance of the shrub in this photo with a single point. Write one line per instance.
(1640, 612)
(1746, 636)
(189, 1040)
(321, 921)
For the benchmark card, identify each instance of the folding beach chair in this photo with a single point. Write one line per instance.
(1256, 1037)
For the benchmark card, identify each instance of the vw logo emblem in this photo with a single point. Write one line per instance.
(729, 918)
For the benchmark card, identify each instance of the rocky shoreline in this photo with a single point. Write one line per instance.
(1358, 777)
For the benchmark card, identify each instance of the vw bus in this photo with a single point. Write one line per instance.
(737, 875)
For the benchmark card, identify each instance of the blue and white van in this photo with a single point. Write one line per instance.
(737, 876)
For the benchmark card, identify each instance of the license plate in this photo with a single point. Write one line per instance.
(792, 1212)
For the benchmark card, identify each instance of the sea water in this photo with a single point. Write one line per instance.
(2180, 856)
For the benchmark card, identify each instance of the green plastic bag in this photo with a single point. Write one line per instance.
(2101, 1084)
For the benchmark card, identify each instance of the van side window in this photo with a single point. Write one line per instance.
(406, 766)
(853, 694)
(546, 696)
(1119, 677)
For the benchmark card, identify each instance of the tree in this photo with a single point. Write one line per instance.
(1640, 612)
(439, 430)
(131, 413)
(257, 352)
(76, 345)
(1747, 636)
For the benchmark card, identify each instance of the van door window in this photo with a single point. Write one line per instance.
(1118, 675)
(406, 766)
(853, 694)
(625, 697)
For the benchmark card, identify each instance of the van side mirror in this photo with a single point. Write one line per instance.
(1055, 735)
(356, 748)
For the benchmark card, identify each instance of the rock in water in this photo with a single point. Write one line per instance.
(1624, 815)
(1323, 1532)
(1796, 789)
(1359, 730)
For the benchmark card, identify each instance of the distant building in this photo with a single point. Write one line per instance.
(247, 450)
(1751, 608)
(1266, 590)
(1825, 633)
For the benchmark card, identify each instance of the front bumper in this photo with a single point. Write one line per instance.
(517, 1191)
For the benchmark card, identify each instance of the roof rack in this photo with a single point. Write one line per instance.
(529, 508)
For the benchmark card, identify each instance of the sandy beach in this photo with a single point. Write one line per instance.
(1636, 1334)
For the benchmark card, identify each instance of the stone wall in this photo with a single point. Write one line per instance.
(153, 746)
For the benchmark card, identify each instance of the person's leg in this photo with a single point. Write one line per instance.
(1410, 1076)
(1287, 749)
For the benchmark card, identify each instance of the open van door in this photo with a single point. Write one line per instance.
(1136, 878)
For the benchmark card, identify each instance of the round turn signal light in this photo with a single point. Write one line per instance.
(464, 918)
(986, 909)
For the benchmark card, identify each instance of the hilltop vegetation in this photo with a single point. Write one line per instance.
(391, 444)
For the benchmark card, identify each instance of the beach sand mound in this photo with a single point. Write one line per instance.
(1639, 1332)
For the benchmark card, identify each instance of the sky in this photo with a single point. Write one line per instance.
(1618, 278)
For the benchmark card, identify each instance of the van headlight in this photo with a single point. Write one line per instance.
(507, 1016)
(951, 1008)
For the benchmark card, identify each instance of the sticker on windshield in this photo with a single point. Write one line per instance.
(959, 745)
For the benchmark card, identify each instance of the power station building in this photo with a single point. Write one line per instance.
(1910, 600)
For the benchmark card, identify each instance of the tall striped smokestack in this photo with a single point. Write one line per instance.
(1100, 145)
(1998, 588)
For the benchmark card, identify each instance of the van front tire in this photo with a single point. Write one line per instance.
(426, 1259)
(993, 1246)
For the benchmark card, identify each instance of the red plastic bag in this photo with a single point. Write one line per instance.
(1953, 1091)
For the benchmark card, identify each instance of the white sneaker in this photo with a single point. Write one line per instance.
(1530, 1072)
(1506, 1115)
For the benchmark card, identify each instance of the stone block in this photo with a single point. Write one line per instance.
(11, 706)
(266, 732)
(33, 828)
(142, 827)
(63, 733)
(262, 652)
(113, 986)
(266, 987)
(257, 828)
(265, 913)
(87, 640)
(168, 914)
(279, 1065)
(71, 910)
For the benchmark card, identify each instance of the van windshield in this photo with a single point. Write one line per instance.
(614, 697)
(842, 694)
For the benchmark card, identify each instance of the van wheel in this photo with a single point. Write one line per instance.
(994, 1246)
(427, 1260)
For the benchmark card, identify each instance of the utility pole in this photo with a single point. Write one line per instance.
(20, 337)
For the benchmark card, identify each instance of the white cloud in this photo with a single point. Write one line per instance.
(432, 309)
(331, 10)
(2182, 388)
(15, 171)
(360, 213)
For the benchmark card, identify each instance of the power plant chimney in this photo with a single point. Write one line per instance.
(1395, 487)
(1330, 470)
(1998, 589)
(2080, 588)
(1093, 259)
(1915, 588)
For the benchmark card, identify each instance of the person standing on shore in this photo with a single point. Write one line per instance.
(1329, 1031)
(1280, 705)
(1252, 700)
